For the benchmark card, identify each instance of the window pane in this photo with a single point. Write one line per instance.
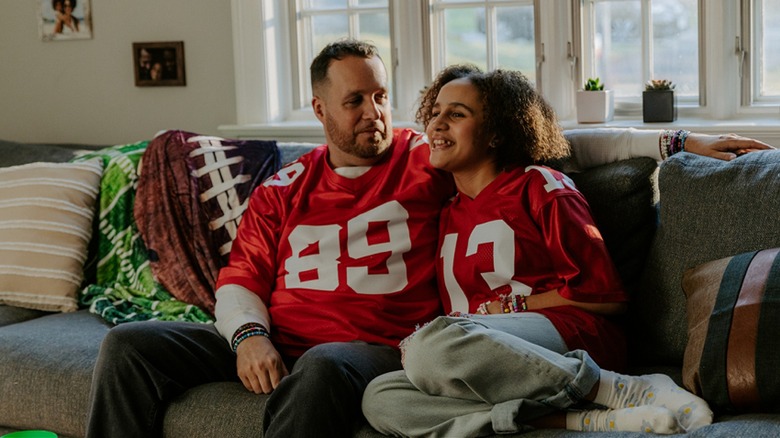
(515, 34)
(617, 46)
(770, 63)
(676, 44)
(465, 37)
(324, 4)
(372, 3)
(326, 29)
(375, 28)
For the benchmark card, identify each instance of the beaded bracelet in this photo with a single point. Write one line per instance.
(523, 304)
(509, 304)
(672, 142)
(664, 141)
(678, 142)
(519, 304)
(248, 330)
(505, 306)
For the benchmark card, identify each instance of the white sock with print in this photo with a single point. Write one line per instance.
(618, 391)
(647, 419)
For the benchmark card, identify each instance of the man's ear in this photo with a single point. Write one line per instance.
(317, 105)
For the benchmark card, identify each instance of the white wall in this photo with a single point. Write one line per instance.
(83, 91)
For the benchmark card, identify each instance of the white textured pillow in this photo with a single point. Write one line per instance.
(46, 212)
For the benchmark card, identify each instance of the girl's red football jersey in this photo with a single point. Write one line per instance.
(530, 231)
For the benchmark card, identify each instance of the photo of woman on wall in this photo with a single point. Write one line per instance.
(65, 20)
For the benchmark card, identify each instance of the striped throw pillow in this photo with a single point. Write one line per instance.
(732, 356)
(46, 213)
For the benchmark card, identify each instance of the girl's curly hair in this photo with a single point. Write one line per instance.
(523, 125)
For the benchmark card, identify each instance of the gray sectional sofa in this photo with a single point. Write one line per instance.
(708, 210)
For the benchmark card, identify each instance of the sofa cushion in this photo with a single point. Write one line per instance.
(12, 314)
(733, 352)
(709, 209)
(46, 212)
(622, 197)
(46, 367)
(14, 154)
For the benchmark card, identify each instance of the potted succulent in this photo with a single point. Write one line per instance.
(659, 103)
(594, 103)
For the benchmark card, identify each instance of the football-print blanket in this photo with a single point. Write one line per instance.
(120, 286)
(192, 191)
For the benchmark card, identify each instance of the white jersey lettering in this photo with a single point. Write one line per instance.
(322, 266)
(286, 175)
(501, 235)
(323, 262)
(552, 183)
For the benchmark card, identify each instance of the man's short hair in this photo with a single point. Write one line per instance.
(338, 50)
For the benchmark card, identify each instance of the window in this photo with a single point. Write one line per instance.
(489, 33)
(628, 42)
(322, 21)
(556, 43)
(761, 74)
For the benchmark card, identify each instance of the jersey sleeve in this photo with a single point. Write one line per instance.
(577, 250)
(252, 262)
(597, 146)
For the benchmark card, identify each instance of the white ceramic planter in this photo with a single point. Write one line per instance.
(595, 106)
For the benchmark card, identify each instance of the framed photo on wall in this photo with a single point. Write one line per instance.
(65, 20)
(159, 64)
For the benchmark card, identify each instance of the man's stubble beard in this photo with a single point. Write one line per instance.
(348, 142)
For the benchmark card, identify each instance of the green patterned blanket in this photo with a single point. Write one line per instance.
(123, 287)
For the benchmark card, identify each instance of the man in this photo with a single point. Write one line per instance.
(332, 266)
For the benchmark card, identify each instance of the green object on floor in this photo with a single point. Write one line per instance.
(31, 434)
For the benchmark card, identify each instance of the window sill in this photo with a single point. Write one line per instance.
(763, 128)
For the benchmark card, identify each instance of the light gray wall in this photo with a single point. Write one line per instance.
(83, 91)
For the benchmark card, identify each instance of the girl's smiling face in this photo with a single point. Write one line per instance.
(455, 131)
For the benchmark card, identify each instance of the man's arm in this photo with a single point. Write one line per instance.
(260, 367)
(597, 146)
(724, 147)
(236, 306)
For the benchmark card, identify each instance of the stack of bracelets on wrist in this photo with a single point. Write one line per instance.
(509, 304)
(672, 142)
(248, 330)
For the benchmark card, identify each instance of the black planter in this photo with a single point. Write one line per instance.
(659, 106)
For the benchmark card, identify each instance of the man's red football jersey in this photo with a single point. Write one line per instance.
(530, 231)
(341, 259)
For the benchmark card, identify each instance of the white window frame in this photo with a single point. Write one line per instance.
(749, 50)
(438, 9)
(632, 106)
(262, 43)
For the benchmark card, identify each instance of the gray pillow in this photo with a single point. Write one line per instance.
(709, 209)
(622, 198)
(14, 153)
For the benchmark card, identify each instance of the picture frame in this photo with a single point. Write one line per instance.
(60, 20)
(159, 64)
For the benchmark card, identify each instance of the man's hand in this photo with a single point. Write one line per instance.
(260, 366)
(723, 147)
